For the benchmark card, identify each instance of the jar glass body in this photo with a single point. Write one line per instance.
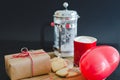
(65, 31)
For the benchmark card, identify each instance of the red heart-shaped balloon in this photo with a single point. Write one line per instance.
(99, 62)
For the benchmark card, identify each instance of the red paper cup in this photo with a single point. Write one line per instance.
(81, 45)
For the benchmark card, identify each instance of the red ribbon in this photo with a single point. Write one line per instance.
(25, 53)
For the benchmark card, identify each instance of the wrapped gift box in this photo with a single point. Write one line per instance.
(19, 66)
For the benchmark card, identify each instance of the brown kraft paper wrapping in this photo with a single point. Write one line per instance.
(22, 67)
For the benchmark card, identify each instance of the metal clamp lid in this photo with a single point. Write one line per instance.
(66, 12)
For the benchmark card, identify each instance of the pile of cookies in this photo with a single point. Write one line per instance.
(62, 68)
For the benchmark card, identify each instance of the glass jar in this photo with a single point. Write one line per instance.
(65, 30)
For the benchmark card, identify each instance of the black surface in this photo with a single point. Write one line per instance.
(13, 47)
(29, 20)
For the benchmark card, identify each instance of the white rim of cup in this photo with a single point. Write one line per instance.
(93, 39)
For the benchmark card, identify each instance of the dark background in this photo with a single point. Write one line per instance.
(26, 23)
(29, 20)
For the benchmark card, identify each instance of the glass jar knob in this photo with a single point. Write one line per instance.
(65, 4)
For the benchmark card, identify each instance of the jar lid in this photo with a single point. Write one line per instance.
(66, 12)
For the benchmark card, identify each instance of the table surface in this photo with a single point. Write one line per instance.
(114, 76)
